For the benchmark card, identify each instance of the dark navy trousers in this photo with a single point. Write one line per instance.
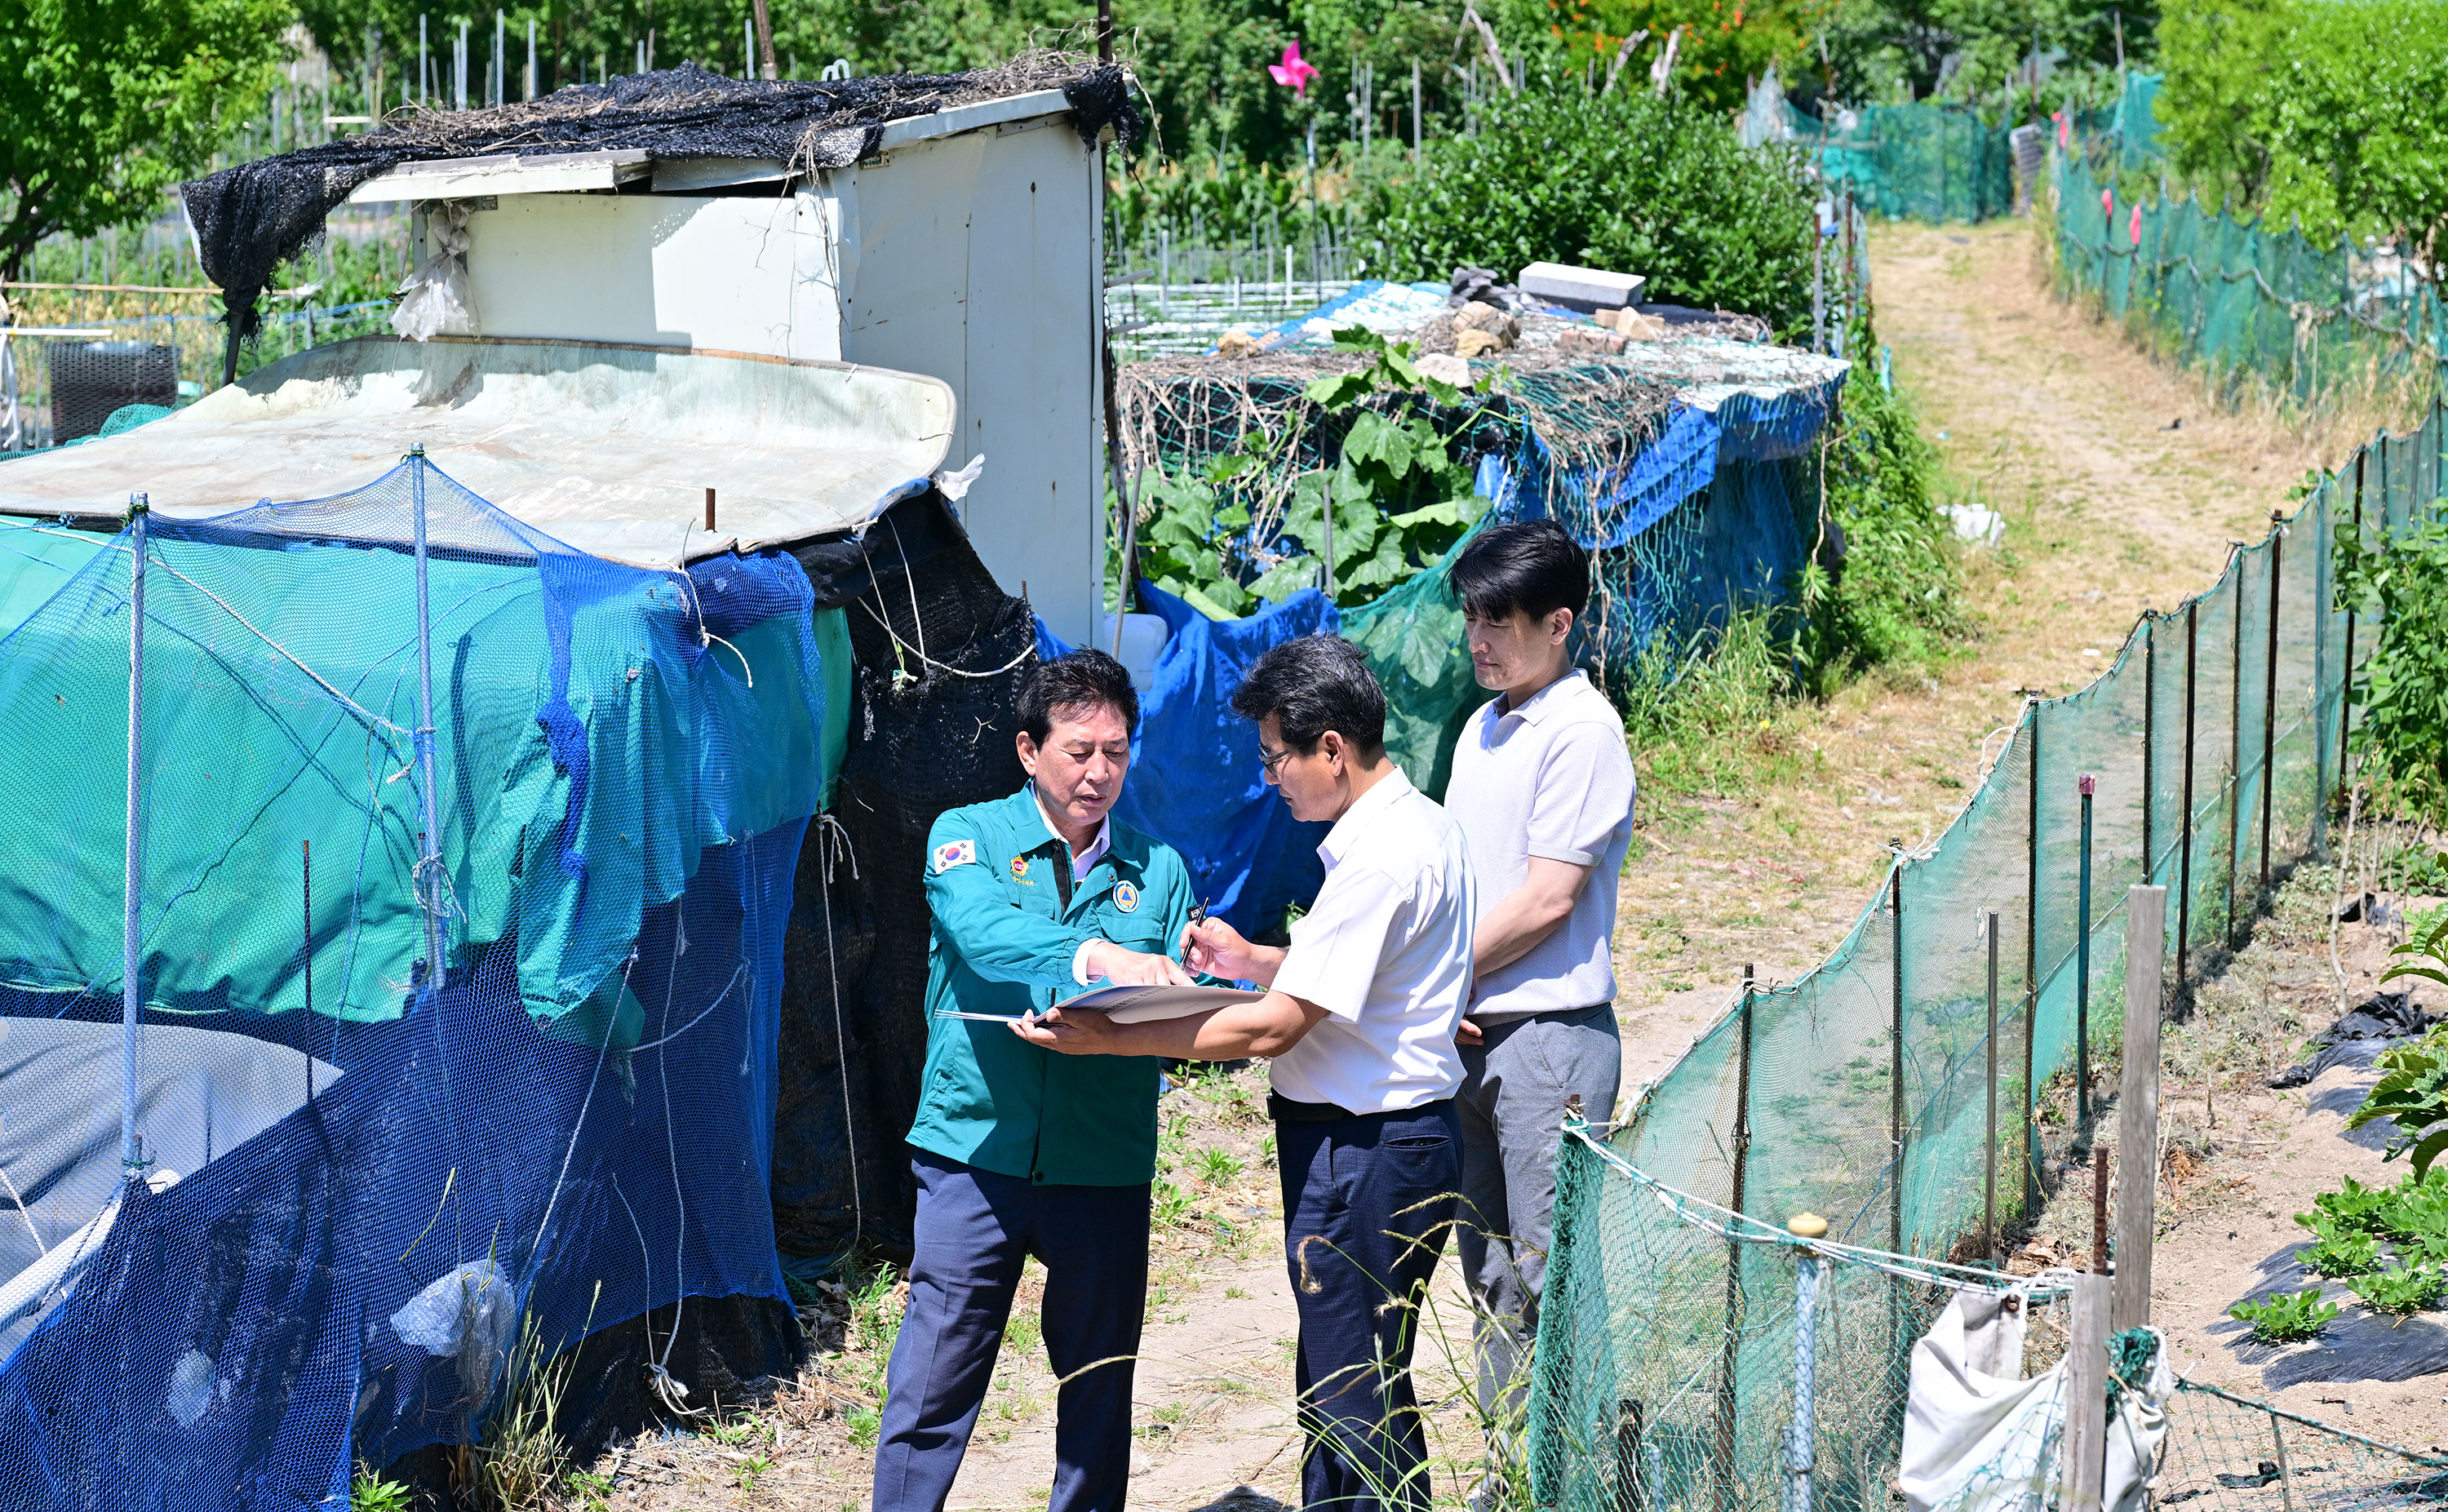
(1368, 1204)
(973, 1230)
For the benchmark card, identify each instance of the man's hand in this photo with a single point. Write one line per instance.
(1071, 1031)
(1216, 948)
(1129, 969)
(1466, 1032)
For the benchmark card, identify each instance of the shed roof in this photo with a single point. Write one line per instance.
(608, 447)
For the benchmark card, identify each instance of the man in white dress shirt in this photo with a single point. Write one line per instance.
(1360, 1022)
(1550, 785)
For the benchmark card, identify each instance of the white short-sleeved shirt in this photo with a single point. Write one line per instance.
(1551, 779)
(1385, 951)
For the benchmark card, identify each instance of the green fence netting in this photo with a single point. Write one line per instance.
(1716, 1345)
(1917, 162)
(1861, 1092)
(2241, 300)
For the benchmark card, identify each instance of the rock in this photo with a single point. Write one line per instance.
(1632, 325)
(1480, 316)
(1596, 343)
(1472, 342)
(1236, 344)
(1444, 368)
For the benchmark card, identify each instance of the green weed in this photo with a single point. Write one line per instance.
(2400, 1291)
(2286, 1317)
(1217, 1166)
(369, 1492)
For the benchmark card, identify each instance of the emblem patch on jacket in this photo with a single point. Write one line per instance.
(955, 853)
(1019, 868)
(1126, 897)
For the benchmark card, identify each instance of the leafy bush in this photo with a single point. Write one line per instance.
(2400, 1291)
(2337, 1253)
(2286, 1317)
(2403, 689)
(1897, 598)
(1626, 180)
(1399, 497)
(2412, 1093)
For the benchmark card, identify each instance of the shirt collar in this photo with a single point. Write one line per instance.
(1536, 706)
(1096, 848)
(1391, 789)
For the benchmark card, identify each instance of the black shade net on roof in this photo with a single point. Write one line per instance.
(251, 217)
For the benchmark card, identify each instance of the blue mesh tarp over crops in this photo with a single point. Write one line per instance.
(377, 1192)
(1709, 518)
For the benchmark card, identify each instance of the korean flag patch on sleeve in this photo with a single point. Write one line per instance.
(955, 853)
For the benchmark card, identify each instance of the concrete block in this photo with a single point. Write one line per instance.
(1588, 290)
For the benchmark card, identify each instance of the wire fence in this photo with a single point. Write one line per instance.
(1896, 1087)
(1785, 1383)
(2250, 305)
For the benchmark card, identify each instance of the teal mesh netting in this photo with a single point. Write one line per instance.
(1863, 1091)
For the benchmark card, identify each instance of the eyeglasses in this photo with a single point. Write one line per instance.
(1268, 761)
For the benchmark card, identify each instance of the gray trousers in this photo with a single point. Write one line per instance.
(1512, 1107)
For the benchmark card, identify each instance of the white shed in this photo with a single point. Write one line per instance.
(966, 248)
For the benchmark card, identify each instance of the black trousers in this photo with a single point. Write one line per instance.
(1368, 1201)
(974, 1229)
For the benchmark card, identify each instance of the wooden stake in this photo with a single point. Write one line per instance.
(2138, 1105)
(709, 508)
(2086, 1459)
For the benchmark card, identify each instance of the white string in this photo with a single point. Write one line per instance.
(535, 1251)
(1732, 1226)
(1025, 651)
(656, 1044)
(659, 1373)
(832, 839)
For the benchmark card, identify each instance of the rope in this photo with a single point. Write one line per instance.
(673, 1393)
(899, 644)
(832, 840)
(1738, 1228)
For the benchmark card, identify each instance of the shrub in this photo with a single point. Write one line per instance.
(2403, 689)
(1897, 597)
(1626, 181)
(2286, 1317)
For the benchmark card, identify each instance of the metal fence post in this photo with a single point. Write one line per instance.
(2032, 977)
(2149, 741)
(131, 1040)
(2185, 819)
(1896, 1133)
(2285, 1470)
(2235, 753)
(1989, 1147)
(2347, 668)
(2269, 693)
(2088, 785)
(1729, 1385)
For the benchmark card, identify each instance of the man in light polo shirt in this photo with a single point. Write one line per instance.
(1550, 786)
(1360, 1022)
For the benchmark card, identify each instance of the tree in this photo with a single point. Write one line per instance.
(105, 104)
(1659, 187)
(2219, 56)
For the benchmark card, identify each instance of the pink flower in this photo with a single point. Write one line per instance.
(1295, 70)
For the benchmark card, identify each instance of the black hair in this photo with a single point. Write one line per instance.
(1535, 566)
(1316, 683)
(1078, 679)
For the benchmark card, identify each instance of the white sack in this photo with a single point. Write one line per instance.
(1979, 1437)
(434, 301)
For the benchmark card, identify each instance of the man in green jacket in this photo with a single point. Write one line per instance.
(1020, 1150)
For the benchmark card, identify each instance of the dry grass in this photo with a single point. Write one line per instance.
(2122, 484)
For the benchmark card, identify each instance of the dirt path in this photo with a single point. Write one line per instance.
(2039, 414)
(2111, 505)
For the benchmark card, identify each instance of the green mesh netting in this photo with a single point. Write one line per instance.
(1919, 162)
(2239, 299)
(1863, 1091)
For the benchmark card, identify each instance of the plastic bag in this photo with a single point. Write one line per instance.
(434, 301)
(466, 1316)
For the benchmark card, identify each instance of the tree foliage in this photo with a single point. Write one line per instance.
(2332, 114)
(104, 104)
(1626, 180)
(2402, 688)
